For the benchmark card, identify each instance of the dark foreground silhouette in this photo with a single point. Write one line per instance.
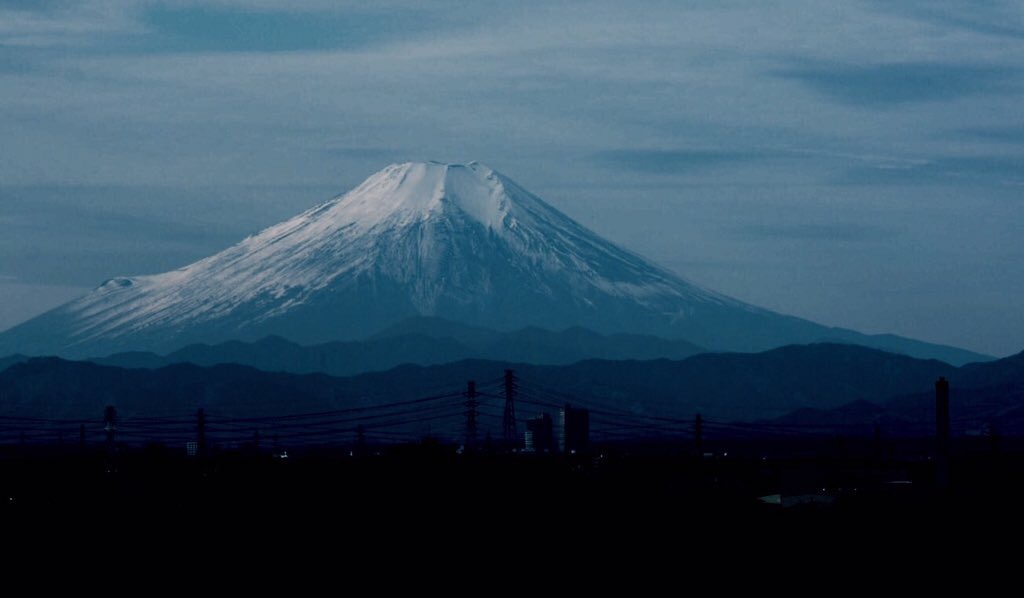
(770, 485)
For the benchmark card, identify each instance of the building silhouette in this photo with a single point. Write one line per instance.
(539, 437)
(573, 429)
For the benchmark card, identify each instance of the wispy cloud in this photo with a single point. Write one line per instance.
(1010, 134)
(833, 231)
(1000, 170)
(196, 29)
(209, 25)
(1003, 18)
(365, 153)
(44, 24)
(673, 161)
(881, 85)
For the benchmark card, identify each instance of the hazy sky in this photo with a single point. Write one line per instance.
(857, 163)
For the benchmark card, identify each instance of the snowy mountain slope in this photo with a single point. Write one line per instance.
(457, 241)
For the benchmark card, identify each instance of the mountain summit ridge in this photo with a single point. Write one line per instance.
(458, 241)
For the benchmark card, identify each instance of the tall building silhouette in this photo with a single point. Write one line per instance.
(539, 436)
(573, 429)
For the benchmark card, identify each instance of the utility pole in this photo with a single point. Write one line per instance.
(508, 421)
(471, 405)
(942, 433)
(698, 435)
(201, 432)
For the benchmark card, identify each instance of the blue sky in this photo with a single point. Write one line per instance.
(858, 163)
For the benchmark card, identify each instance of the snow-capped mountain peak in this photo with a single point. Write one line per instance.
(404, 193)
(458, 241)
(426, 238)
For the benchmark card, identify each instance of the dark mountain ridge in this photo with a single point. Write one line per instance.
(724, 386)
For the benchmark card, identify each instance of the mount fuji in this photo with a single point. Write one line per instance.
(460, 242)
